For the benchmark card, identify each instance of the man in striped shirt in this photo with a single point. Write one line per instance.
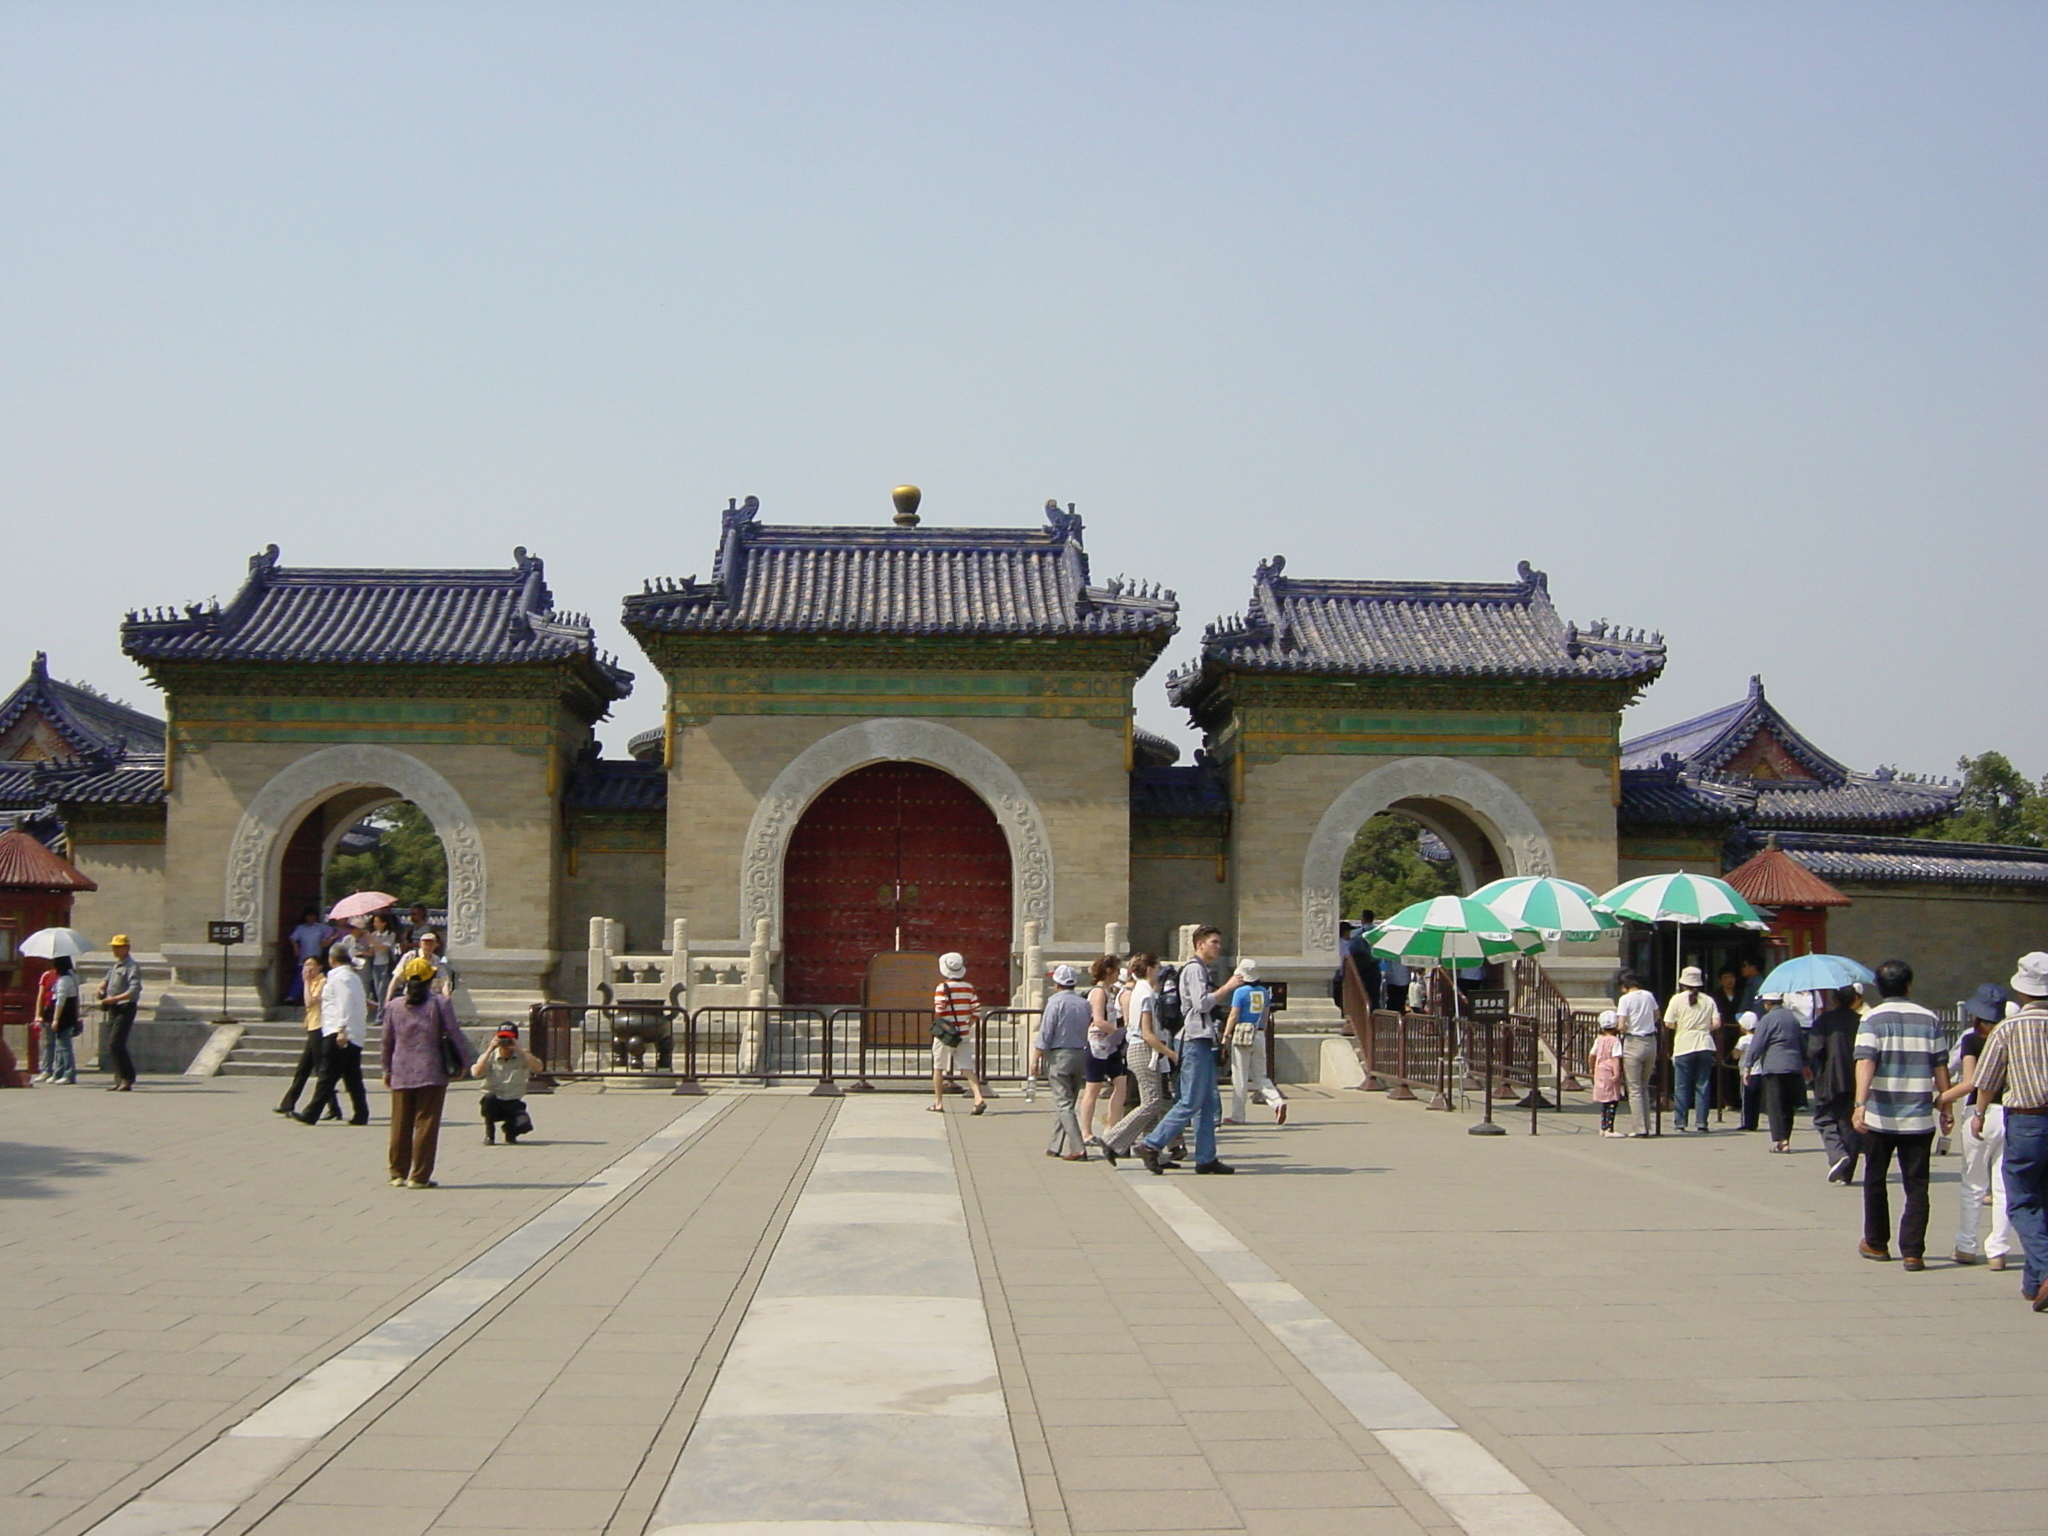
(2013, 1069)
(956, 1009)
(1901, 1064)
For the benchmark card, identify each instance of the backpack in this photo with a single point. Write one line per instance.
(1253, 1014)
(1167, 1012)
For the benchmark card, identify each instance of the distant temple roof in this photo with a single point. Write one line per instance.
(610, 784)
(1841, 856)
(68, 745)
(1194, 790)
(86, 723)
(1746, 763)
(910, 581)
(1148, 750)
(1463, 630)
(408, 618)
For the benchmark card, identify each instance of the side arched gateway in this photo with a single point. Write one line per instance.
(257, 851)
(1452, 798)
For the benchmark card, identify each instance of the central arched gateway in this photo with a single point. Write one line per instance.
(894, 856)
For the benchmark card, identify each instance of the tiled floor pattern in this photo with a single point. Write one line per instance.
(212, 1485)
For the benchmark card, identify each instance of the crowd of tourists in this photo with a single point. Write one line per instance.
(402, 974)
(1137, 1030)
(1883, 1083)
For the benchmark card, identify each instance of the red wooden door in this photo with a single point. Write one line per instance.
(895, 856)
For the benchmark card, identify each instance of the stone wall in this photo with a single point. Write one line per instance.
(130, 898)
(1956, 938)
(1168, 893)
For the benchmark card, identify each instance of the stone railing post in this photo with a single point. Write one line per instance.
(1115, 939)
(597, 960)
(757, 966)
(1033, 979)
(1186, 938)
(678, 974)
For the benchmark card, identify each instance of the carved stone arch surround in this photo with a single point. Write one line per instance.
(257, 851)
(938, 746)
(1502, 814)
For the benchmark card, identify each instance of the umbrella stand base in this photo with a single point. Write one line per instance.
(1438, 1101)
(1534, 1100)
(1401, 1092)
(1485, 1128)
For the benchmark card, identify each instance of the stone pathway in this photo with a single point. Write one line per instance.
(771, 1315)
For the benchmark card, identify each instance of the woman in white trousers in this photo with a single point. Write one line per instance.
(1982, 1180)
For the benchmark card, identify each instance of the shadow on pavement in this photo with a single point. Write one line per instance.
(30, 1172)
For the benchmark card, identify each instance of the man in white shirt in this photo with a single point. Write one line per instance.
(1637, 1007)
(344, 1027)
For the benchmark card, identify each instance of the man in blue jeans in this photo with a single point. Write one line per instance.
(2013, 1069)
(1201, 1001)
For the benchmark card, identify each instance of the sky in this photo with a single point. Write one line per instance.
(1729, 317)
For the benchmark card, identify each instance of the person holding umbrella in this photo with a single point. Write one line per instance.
(1777, 1053)
(59, 1018)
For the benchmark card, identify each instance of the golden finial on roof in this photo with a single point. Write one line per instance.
(906, 498)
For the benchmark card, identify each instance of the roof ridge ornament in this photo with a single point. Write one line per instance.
(906, 499)
(1535, 580)
(1064, 525)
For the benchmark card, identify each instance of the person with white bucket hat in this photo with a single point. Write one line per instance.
(2013, 1071)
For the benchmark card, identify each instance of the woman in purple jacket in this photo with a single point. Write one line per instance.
(416, 1023)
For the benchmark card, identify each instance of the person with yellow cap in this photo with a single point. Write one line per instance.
(120, 995)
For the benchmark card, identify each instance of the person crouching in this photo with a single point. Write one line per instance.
(505, 1069)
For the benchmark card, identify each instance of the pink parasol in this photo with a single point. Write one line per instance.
(362, 904)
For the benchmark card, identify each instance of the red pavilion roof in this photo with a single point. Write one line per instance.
(1775, 879)
(26, 864)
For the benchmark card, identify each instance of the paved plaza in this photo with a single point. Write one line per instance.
(789, 1316)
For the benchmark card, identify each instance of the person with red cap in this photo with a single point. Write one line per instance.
(506, 1070)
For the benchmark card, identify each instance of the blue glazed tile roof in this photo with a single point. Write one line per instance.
(81, 781)
(1021, 582)
(1839, 857)
(1665, 797)
(1668, 796)
(1675, 776)
(1708, 743)
(426, 617)
(615, 785)
(87, 722)
(1478, 630)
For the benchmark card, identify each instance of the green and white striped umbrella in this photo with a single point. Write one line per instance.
(1449, 929)
(1682, 898)
(1557, 909)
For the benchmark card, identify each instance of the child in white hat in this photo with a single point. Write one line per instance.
(1604, 1061)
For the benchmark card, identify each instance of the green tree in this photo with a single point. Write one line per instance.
(1997, 805)
(407, 861)
(1384, 869)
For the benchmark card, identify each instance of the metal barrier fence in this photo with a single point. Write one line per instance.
(839, 1048)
